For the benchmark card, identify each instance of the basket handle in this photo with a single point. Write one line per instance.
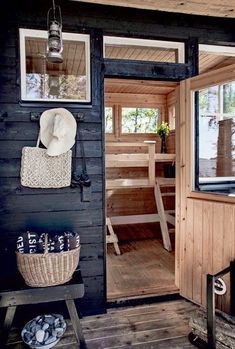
(46, 244)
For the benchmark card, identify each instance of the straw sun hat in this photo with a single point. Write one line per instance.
(57, 130)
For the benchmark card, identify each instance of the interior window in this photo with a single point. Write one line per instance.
(215, 128)
(108, 120)
(140, 120)
(171, 117)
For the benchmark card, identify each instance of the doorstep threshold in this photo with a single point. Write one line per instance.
(142, 299)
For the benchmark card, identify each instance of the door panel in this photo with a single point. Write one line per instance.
(202, 229)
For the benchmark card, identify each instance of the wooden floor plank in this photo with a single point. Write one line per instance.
(132, 338)
(121, 317)
(143, 268)
(144, 326)
(161, 325)
(173, 343)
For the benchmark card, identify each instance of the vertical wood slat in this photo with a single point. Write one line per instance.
(189, 140)
(207, 252)
(228, 250)
(197, 251)
(188, 255)
(217, 246)
(151, 169)
(178, 107)
(181, 175)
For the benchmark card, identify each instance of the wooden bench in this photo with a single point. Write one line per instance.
(14, 292)
(137, 160)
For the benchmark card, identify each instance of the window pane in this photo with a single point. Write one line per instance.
(67, 81)
(216, 133)
(140, 120)
(108, 119)
(143, 50)
(140, 53)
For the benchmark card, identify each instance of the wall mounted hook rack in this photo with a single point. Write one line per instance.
(36, 116)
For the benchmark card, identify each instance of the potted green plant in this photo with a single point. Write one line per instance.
(163, 131)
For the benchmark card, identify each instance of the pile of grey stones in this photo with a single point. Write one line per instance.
(44, 330)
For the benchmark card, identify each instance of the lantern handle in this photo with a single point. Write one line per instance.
(53, 6)
(53, 9)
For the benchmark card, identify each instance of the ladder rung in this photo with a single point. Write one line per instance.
(170, 211)
(168, 194)
(167, 182)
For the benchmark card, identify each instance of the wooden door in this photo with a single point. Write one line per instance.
(205, 223)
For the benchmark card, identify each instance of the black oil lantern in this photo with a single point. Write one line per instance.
(54, 25)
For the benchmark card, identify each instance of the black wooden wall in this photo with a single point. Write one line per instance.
(61, 209)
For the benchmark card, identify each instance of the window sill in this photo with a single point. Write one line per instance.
(225, 198)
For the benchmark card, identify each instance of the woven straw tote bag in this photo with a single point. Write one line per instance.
(39, 170)
(47, 269)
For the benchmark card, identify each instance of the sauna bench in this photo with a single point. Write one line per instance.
(146, 159)
(135, 160)
(15, 292)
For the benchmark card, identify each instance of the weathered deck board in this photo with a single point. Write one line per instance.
(161, 325)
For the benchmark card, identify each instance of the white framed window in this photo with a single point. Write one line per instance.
(144, 50)
(64, 82)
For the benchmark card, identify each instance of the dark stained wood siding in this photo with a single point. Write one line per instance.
(50, 210)
(61, 209)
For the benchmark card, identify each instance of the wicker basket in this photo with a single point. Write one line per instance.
(48, 269)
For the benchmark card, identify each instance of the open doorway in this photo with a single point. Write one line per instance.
(146, 264)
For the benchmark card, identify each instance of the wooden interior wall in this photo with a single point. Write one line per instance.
(135, 201)
(119, 100)
(135, 99)
(171, 99)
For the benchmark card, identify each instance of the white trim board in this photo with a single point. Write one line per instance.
(217, 50)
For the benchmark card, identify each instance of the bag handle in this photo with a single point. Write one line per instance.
(46, 244)
(81, 179)
(38, 140)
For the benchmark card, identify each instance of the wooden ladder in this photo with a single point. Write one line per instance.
(164, 215)
(112, 238)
